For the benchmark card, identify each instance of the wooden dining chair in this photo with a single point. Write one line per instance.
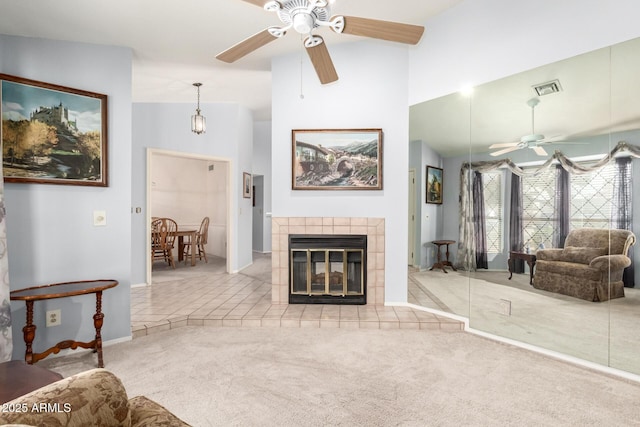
(163, 237)
(201, 241)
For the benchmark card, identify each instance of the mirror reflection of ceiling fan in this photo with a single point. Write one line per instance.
(533, 141)
(304, 16)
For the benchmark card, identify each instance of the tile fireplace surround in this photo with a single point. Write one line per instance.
(373, 228)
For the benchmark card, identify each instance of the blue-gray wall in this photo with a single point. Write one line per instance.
(50, 232)
(229, 136)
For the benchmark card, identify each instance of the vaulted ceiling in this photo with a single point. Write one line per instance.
(174, 43)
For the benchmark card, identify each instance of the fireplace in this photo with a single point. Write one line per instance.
(327, 269)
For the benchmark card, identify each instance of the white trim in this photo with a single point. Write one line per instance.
(560, 356)
(556, 355)
(139, 285)
(439, 313)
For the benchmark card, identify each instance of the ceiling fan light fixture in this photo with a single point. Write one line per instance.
(536, 137)
(303, 22)
(198, 121)
(304, 16)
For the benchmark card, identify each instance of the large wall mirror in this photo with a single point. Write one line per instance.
(554, 124)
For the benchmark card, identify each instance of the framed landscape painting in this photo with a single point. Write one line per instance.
(52, 134)
(434, 185)
(342, 159)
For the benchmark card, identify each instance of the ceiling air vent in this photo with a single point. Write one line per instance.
(547, 88)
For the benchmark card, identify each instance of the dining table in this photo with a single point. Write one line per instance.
(181, 234)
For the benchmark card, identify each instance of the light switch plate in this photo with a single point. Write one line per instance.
(99, 218)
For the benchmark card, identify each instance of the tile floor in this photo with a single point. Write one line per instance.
(205, 295)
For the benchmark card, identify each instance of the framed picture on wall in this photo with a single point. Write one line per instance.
(434, 185)
(52, 134)
(340, 159)
(246, 186)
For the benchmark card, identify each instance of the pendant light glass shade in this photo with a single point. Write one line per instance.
(198, 121)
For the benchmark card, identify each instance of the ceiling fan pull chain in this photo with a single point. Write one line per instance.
(532, 103)
(301, 64)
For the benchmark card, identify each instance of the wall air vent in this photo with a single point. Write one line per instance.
(547, 88)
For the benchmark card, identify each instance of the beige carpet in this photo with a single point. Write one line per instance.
(335, 377)
(572, 326)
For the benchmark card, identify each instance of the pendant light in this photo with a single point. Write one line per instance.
(198, 121)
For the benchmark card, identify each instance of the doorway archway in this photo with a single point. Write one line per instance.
(188, 187)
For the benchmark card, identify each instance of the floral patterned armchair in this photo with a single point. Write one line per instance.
(95, 397)
(589, 267)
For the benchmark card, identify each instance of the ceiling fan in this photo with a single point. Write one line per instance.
(304, 16)
(533, 141)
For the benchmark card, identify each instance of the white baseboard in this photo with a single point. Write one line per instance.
(530, 347)
(139, 285)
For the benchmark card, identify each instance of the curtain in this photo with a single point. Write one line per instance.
(6, 342)
(557, 157)
(516, 239)
(479, 222)
(466, 258)
(621, 212)
(561, 207)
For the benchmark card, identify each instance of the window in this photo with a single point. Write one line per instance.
(538, 221)
(590, 203)
(492, 189)
(591, 198)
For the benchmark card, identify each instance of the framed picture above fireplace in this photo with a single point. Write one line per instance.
(336, 159)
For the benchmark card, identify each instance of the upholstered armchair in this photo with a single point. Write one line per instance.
(91, 398)
(590, 266)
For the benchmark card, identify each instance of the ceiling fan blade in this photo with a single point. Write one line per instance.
(505, 151)
(319, 55)
(259, 3)
(539, 150)
(385, 30)
(246, 46)
(503, 145)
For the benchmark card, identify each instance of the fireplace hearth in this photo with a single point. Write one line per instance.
(327, 269)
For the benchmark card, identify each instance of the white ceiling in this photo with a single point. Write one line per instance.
(174, 43)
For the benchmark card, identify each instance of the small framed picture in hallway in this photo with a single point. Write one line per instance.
(246, 185)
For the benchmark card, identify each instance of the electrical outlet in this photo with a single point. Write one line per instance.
(505, 307)
(54, 317)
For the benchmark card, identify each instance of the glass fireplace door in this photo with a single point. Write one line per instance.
(336, 272)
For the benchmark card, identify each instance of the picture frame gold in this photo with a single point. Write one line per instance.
(336, 159)
(52, 134)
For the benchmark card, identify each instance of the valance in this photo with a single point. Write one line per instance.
(568, 164)
(466, 242)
